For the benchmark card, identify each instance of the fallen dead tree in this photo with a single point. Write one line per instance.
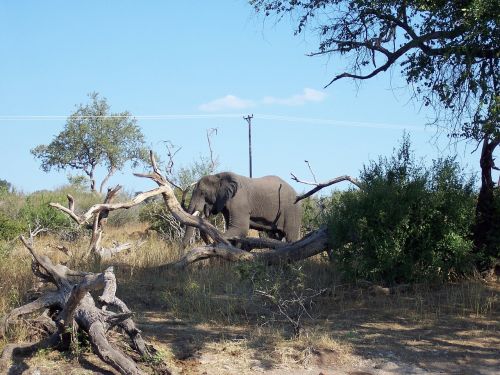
(71, 307)
(274, 253)
(234, 249)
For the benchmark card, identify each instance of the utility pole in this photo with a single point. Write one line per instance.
(248, 119)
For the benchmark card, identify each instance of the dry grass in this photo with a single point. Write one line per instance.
(207, 314)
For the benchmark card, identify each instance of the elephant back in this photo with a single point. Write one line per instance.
(274, 191)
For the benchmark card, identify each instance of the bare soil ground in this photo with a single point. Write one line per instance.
(372, 336)
(202, 322)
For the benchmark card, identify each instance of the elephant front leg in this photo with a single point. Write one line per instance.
(237, 225)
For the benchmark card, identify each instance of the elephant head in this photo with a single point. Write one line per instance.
(210, 196)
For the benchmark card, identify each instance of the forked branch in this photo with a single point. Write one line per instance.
(319, 186)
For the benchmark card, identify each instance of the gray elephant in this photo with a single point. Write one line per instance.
(265, 204)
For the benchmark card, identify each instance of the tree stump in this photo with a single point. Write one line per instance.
(70, 306)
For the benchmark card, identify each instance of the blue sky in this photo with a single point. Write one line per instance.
(196, 65)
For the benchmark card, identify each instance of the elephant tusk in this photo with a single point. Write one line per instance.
(196, 213)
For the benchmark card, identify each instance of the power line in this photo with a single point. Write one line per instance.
(139, 117)
(268, 117)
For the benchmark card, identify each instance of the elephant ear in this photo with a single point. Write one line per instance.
(227, 189)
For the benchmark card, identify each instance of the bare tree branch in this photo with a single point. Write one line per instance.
(323, 185)
(170, 154)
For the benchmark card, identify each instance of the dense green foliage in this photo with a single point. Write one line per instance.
(93, 136)
(9, 228)
(408, 222)
(37, 212)
(315, 210)
(20, 213)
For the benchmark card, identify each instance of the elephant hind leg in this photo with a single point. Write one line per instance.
(292, 234)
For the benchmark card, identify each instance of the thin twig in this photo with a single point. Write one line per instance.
(210, 133)
(310, 170)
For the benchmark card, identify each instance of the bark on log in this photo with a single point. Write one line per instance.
(312, 244)
(72, 302)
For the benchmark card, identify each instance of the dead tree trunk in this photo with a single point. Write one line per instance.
(99, 220)
(72, 304)
(275, 252)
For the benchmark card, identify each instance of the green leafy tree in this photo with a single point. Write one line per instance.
(448, 51)
(92, 137)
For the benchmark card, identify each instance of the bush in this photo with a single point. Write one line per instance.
(161, 220)
(280, 292)
(10, 204)
(20, 212)
(409, 222)
(10, 228)
(37, 212)
(314, 211)
(5, 186)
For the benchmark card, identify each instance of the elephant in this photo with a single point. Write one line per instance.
(265, 204)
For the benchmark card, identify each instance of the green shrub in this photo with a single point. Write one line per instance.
(20, 212)
(408, 222)
(10, 228)
(314, 211)
(5, 186)
(37, 212)
(161, 220)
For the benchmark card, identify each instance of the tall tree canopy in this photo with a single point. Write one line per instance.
(447, 50)
(92, 137)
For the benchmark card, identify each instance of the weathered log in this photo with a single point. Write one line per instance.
(251, 243)
(71, 303)
(312, 244)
